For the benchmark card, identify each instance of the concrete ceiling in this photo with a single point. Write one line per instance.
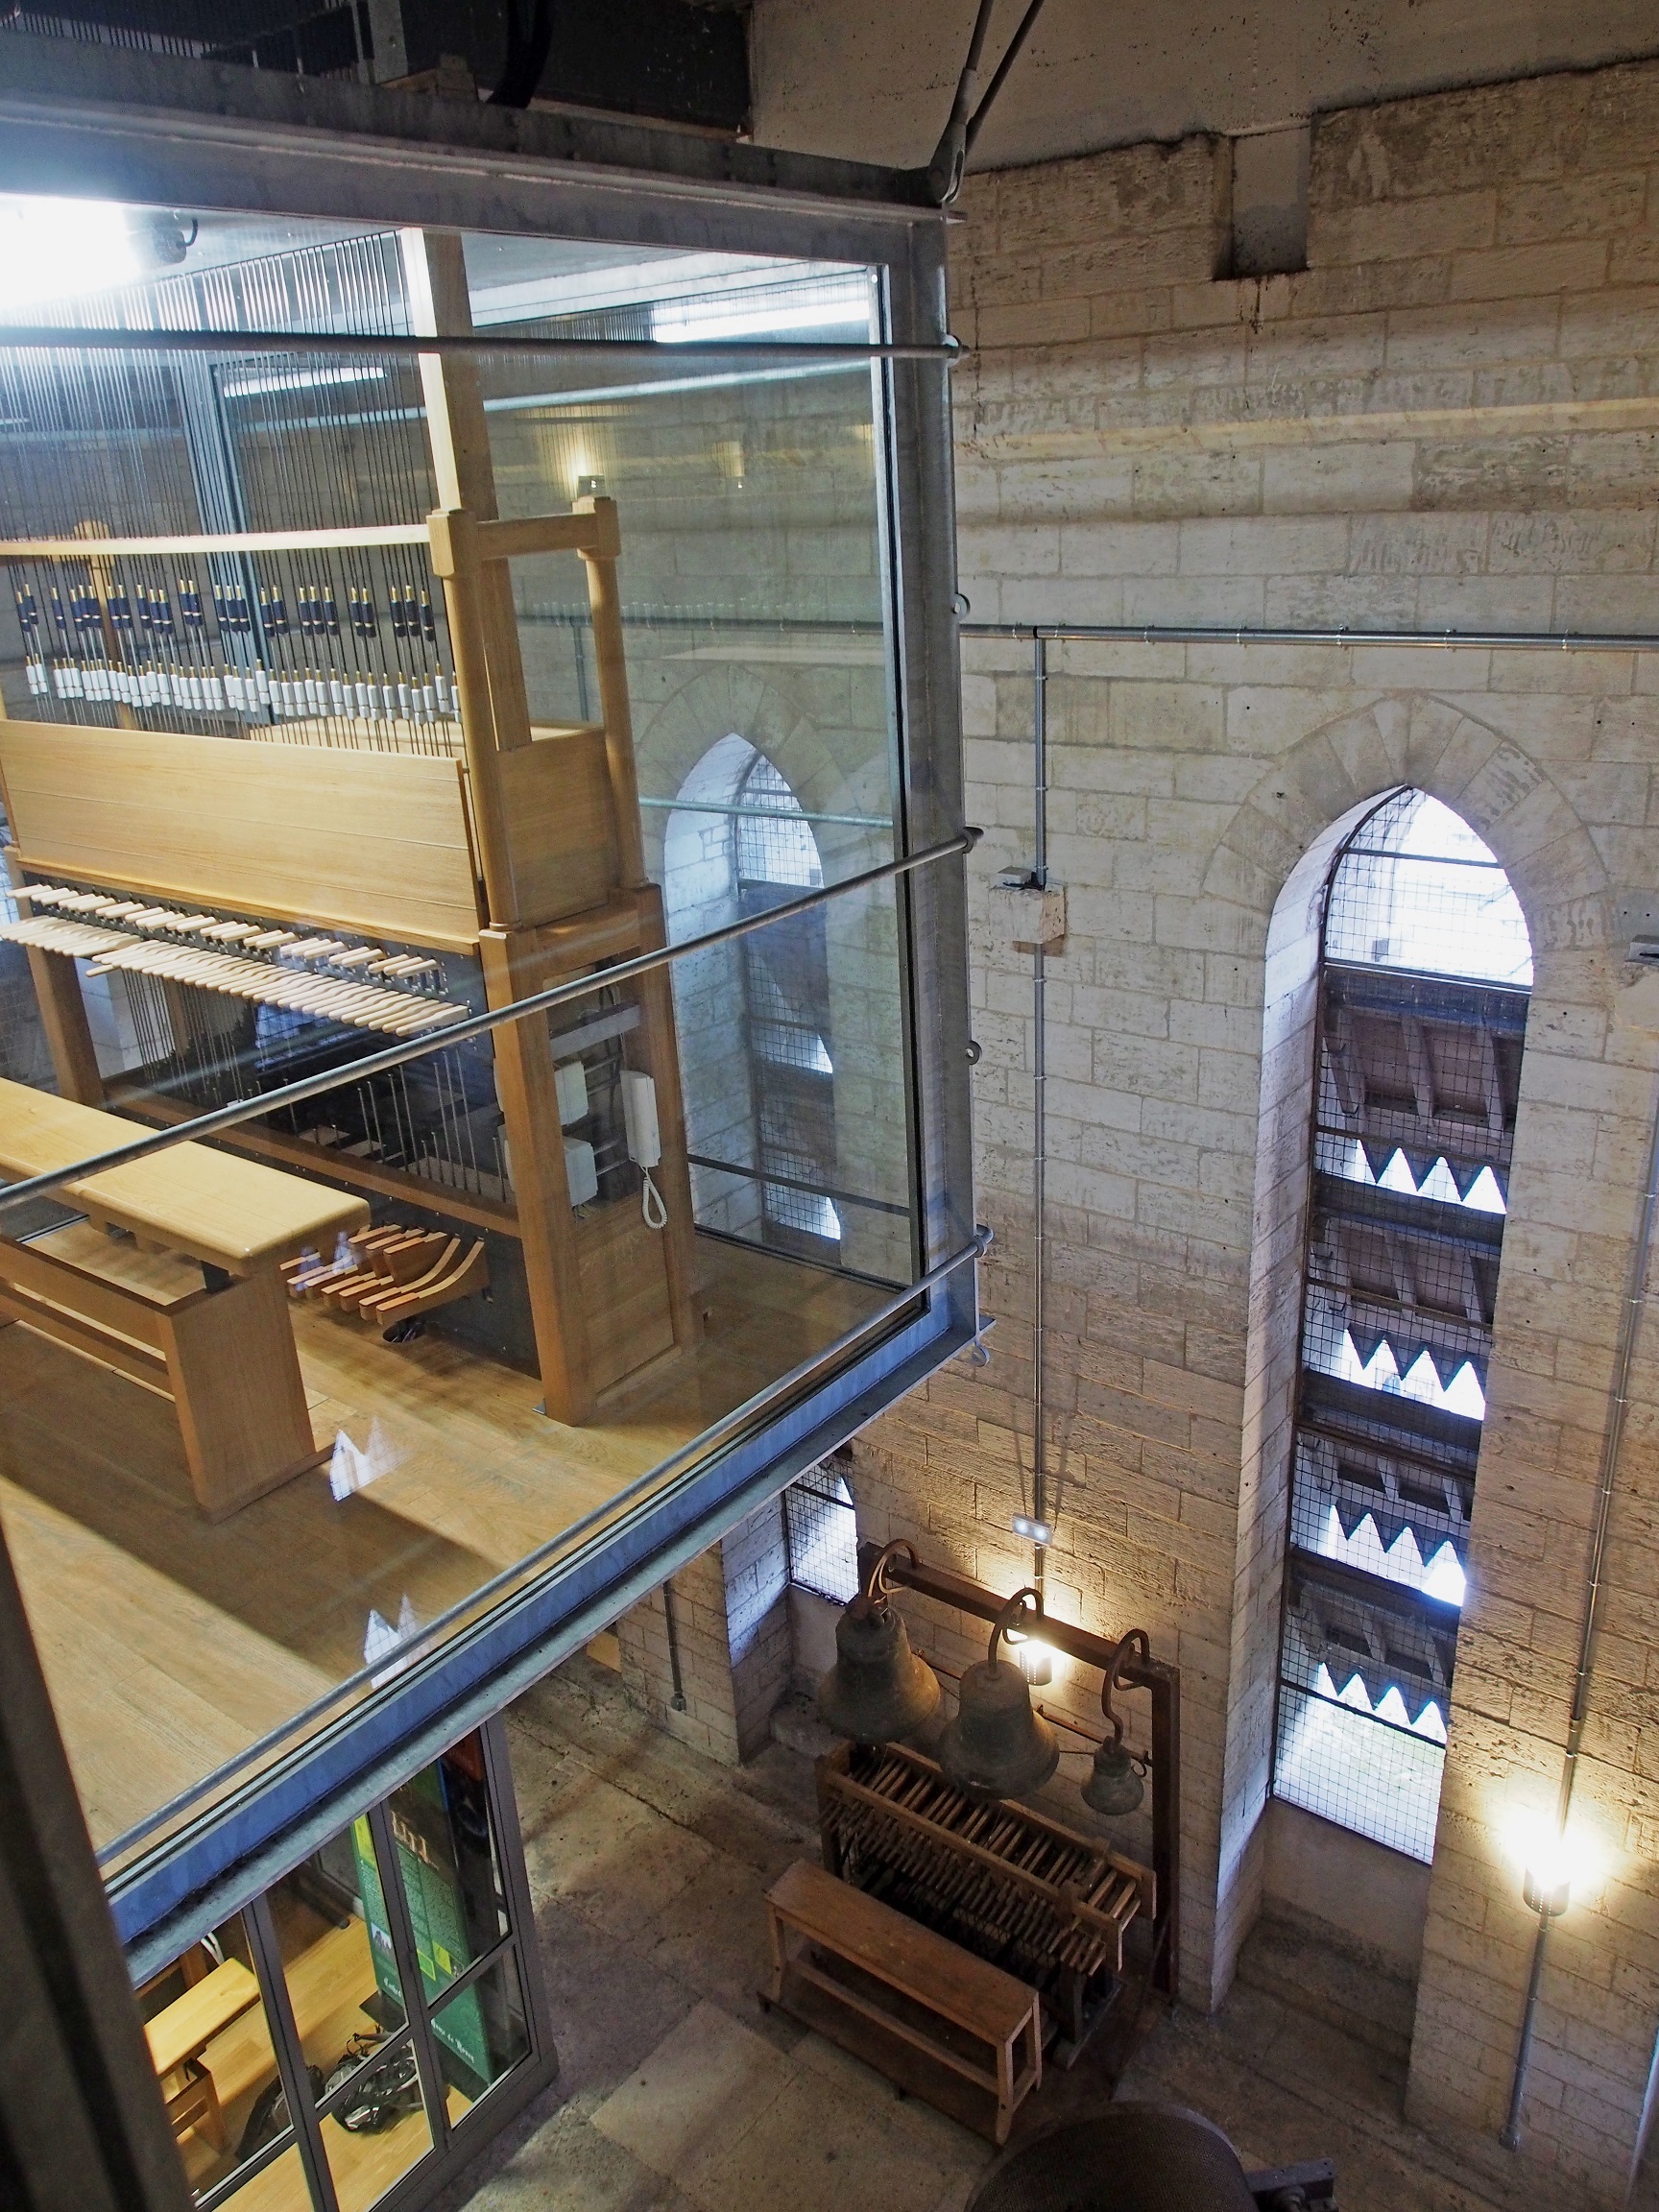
(872, 80)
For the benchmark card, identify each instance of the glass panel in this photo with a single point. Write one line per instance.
(718, 1157)
(481, 2034)
(329, 1915)
(447, 1863)
(211, 2044)
(279, 2187)
(377, 2131)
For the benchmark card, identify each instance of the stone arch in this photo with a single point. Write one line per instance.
(1419, 738)
(830, 769)
(1272, 862)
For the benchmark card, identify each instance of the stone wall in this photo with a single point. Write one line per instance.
(730, 1624)
(1448, 421)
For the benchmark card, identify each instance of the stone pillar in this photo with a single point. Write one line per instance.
(731, 1626)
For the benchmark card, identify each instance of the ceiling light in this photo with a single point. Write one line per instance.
(303, 379)
(50, 249)
(678, 323)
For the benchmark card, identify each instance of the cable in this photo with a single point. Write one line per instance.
(651, 1203)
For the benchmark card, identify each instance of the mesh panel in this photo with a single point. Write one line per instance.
(1417, 1080)
(822, 1530)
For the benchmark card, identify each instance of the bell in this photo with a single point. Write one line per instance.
(997, 1746)
(1114, 1787)
(877, 1688)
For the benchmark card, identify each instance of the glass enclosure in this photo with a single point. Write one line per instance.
(293, 775)
(305, 1996)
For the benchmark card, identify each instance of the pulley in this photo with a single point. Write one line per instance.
(878, 1689)
(1114, 1787)
(997, 1746)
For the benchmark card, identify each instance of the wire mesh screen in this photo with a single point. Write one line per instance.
(1417, 1081)
(822, 1530)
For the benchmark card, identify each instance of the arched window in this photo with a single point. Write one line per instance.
(1424, 976)
(757, 1064)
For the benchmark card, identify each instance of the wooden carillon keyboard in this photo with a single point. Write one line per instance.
(1048, 1905)
(359, 985)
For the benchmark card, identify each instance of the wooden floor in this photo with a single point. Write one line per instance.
(171, 1642)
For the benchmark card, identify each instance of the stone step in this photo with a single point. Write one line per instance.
(1323, 1974)
(796, 1725)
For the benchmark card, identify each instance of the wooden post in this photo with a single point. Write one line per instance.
(456, 564)
(69, 1032)
(606, 610)
(524, 1082)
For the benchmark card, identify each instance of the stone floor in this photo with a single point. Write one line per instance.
(676, 2094)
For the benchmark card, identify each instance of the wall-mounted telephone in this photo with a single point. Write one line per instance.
(644, 1139)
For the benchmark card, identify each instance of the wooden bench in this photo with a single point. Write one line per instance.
(927, 2013)
(187, 1299)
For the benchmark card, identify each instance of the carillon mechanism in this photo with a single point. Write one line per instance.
(249, 910)
(274, 641)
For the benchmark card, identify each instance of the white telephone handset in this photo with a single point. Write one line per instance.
(644, 1139)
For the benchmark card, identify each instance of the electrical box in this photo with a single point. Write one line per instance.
(571, 1083)
(639, 1119)
(580, 1171)
(1028, 916)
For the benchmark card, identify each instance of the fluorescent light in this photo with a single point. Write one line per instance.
(303, 379)
(49, 248)
(675, 323)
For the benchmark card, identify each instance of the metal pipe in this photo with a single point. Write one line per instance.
(1219, 634)
(68, 339)
(474, 1025)
(1039, 1106)
(672, 1624)
(1612, 1441)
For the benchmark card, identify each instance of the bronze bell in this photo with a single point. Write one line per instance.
(997, 1746)
(1114, 1787)
(878, 1689)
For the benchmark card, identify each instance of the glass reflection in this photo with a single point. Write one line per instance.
(481, 2032)
(448, 1863)
(211, 2045)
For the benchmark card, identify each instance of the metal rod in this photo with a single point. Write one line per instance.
(1038, 1110)
(1509, 2134)
(1219, 633)
(794, 1183)
(741, 1417)
(474, 1025)
(53, 338)
(790, 814)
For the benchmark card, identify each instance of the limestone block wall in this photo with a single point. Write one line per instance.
(1448, 421)
(730, 1623)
